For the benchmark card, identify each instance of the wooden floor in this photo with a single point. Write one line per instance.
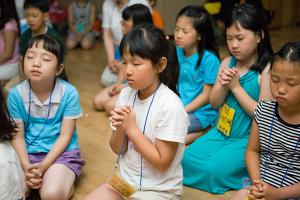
(84, 69)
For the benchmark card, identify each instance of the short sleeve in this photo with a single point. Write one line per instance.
(11, 26)
(172, 125)
(107, 11)
(14, 105)
(257, 111)
(211, 64)
(73, 109)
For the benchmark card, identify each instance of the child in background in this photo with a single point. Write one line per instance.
(273, 152)
(112, 35)
(81, 18)
(198, 57)
(132, 16)
(158, 20)
(45, 109)
(9, 41)
(36, 15)
(215, 162)
(11, 175)
(149, 118)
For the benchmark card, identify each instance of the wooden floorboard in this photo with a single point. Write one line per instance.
(84, 69)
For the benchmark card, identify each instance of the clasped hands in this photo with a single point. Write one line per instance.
(123, 117)
(262, 191)
(34, 175)
(229, 77)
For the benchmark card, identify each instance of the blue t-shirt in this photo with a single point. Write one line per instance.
(192, 79)
(40, 133)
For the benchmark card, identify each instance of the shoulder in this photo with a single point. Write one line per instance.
(167, 99)
(11, 25)
(70, 89)
(26, 35)
(52, 33)
(209, 56)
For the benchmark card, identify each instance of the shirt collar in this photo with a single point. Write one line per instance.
(192, 59)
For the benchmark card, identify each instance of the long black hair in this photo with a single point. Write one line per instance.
(290, 52)
(139, 14)
(8, 12)
(7, 125)
(149, 42)
(202, 23)
(248, 17)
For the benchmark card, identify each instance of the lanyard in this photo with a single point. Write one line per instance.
(29, 143)
(144, 127)
(268, 152)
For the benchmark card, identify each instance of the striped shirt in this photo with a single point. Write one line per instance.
(280, 146)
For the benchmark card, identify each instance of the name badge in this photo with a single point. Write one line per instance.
(225, 119)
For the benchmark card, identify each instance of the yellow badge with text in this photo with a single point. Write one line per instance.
(225, 120)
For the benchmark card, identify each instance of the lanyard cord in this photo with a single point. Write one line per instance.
(125, 138)
(268, 150)
(29, 143)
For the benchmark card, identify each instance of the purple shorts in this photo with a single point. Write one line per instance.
(70, 159)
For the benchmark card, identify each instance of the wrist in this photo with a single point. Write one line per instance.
(236, 89)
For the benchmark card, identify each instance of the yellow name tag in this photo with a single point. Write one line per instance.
(225, 120)
(247, 198)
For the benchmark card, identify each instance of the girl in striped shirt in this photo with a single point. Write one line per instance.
(273, 152)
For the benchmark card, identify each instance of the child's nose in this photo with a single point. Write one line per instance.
(36, 63)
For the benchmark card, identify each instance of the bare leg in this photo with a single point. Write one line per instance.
(100, 99)
(71, 43)
(58, 183)
(104, 192)
(86, 43)
(111, 103)
(191, 137)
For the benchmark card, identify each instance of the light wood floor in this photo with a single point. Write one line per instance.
(84, 69)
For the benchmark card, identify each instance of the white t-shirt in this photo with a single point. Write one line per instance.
(112, 17)
(167, 121)
(11, 174)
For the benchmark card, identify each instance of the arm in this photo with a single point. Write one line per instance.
(200, 100)
(219, 92)
(288, 192)
(9, 44)
(108, 44)
(62, 142)
(19, 145)
(70, 19)
(92, 20)
(160, 154)
(264, 80)
(252, 156)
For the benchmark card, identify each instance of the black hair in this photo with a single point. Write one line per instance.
(250, 18)
(42, 5)
(149, 42)
(139, 14)
(51, 45)
(202, 23)
(290, 52)
(7, 125)
(8, 12)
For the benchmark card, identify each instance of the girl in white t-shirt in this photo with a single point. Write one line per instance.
(149, 119)
(11, 175)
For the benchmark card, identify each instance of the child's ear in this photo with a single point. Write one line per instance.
(162, 64)
(260, 36)
(46, 16)
(60, 69)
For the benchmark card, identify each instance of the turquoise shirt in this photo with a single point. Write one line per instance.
(192, 79)
(41, 134)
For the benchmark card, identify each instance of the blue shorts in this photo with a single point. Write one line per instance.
(195, 125)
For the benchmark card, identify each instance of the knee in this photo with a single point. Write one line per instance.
(71, 44)
(55, 193)
(86, 45)
(109, 106)
(97, 104)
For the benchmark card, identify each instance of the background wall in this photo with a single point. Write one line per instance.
(286, 12)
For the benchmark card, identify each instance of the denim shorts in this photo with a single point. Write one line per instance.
(195, 125)
(70, 159)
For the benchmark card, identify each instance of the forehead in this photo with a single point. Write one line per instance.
(184, 21)
(236, 28)
(38, 47)
(287, 68)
